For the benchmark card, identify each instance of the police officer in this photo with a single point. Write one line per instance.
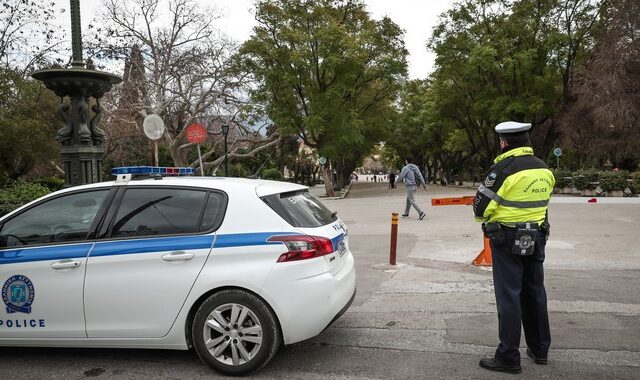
(512, 206)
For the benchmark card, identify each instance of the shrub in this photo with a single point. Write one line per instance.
(52, 183)
(19, 194)
(239, 170)
(612, 181)
(563, 178)
(583, 179)
(272, 173)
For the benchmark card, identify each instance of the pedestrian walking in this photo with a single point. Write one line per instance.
(512, 204)
(392, 180)
(375, 179)
(412, 178)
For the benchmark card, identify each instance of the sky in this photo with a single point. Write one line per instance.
(416, 17)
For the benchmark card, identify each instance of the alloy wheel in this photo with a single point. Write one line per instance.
(232, 334)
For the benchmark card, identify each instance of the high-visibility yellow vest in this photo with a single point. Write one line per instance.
(517, 189)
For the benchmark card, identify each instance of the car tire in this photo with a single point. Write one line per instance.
(231, 348)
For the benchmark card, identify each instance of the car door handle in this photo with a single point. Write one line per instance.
(178, 256)
(65, 264)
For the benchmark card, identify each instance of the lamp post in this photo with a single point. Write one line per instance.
(225, 132)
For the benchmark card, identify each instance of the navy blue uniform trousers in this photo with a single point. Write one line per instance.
(521, 298)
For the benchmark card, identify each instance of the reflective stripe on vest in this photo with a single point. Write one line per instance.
(516, 204)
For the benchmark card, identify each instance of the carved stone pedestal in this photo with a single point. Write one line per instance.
(82, 164)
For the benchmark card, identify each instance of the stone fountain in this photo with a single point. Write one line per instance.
(81, 139)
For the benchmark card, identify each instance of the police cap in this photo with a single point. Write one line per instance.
(509, 127)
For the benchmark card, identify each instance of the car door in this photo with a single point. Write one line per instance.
(43, 252)
(138, 279)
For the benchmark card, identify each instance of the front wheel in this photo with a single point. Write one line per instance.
(235, 332)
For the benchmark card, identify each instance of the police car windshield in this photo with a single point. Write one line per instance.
(300, 209)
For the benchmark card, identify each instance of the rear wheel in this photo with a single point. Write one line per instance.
(235, 332)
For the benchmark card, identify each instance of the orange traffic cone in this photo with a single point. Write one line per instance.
(484, 258)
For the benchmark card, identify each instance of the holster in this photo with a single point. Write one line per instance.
(545, 228)
(494, 232)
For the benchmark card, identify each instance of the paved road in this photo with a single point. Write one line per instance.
(433, 316)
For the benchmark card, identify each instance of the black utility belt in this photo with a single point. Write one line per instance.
(524, 239)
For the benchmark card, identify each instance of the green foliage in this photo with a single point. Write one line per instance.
(585, 179)
(19, 194)
(563, 178)
(52, 183)
(612, 181)
(272, 173)
(504, 60)
(328, 73)
(636, 182)
(27, 126)
(239, 170)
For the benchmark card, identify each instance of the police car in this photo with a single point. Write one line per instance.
(231, 267)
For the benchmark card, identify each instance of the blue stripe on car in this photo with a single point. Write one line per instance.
(241, 240)
(58, 252)
(336, 240)
(136, 246)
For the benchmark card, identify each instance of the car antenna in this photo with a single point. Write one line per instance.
(255, 175)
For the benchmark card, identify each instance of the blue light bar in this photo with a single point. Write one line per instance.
(150, 170)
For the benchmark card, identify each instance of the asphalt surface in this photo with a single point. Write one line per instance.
(432, 316)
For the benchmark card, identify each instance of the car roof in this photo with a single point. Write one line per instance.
(226, 184)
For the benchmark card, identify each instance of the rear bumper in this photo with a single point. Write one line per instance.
(308, 305)
(344, 309)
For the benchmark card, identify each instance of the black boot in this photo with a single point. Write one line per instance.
(494, 364)
(536, 359)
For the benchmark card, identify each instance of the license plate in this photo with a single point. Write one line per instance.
(342, 248)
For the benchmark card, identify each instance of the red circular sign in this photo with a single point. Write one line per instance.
(196, 133)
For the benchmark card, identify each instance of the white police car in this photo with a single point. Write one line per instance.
(231, 267)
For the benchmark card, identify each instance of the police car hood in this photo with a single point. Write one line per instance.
(265, 188)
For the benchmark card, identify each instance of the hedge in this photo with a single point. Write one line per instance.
(613, 181)
(590, 179)
(18, 194)
(584, 179)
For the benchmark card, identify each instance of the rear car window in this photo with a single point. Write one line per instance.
(149, 212)
(300, 209)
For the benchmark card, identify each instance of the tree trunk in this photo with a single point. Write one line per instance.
(328, 182)
(175, 155)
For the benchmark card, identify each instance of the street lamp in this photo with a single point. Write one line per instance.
(225, 132)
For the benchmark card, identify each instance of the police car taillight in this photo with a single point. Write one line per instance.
(151, 170)
(303, 247)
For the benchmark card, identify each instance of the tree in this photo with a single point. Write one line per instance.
(435, 144)
(188, 65)
(603, 121)
(27, 109)
(125, 144)
(27, 38)
(27, 126)
(328, 73)
(508, 60)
